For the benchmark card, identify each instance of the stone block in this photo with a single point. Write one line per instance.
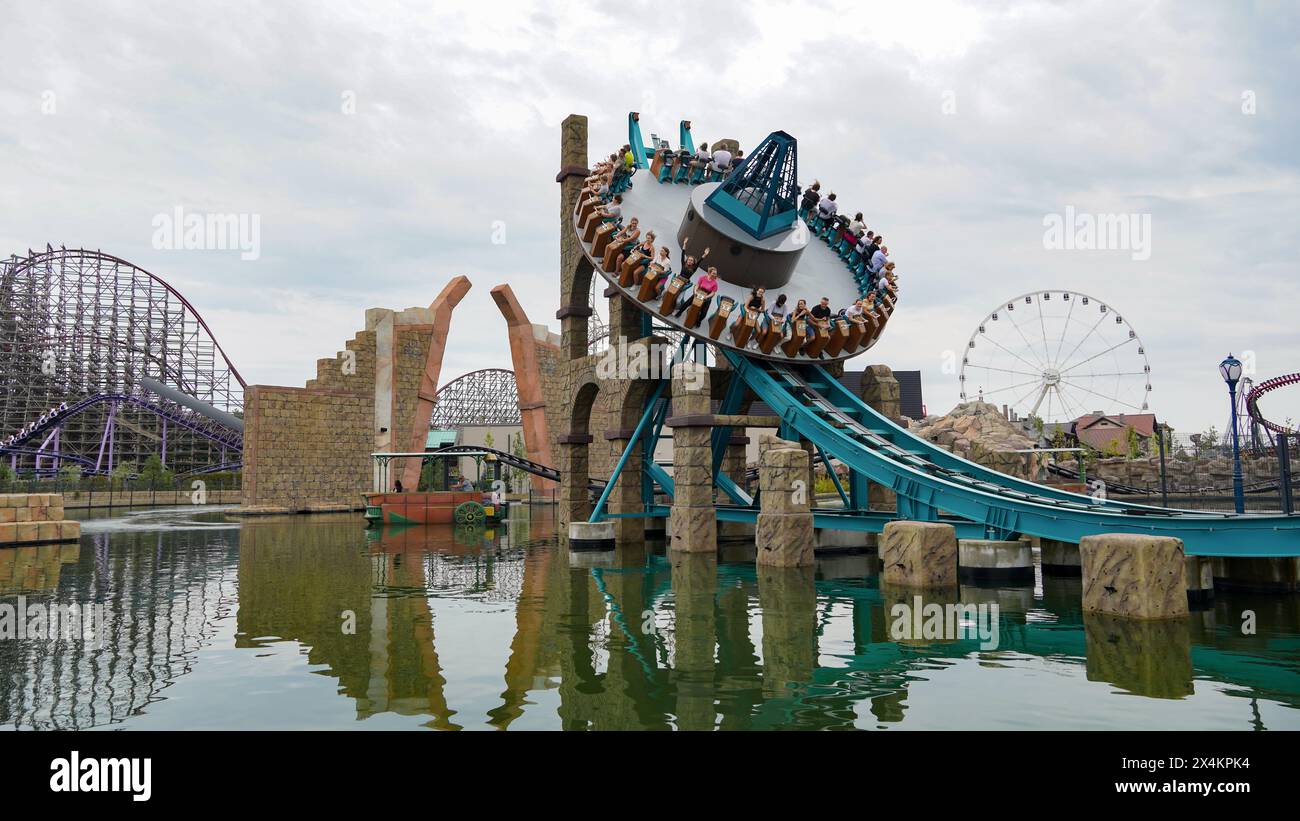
(919, 554)
(69, 530)
(1134, 575)
(784, 539)
(693, 529)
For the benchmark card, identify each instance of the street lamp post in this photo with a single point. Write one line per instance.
(1230, 369)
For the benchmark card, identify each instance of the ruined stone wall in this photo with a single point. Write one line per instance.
(306, 447)
(309, 448)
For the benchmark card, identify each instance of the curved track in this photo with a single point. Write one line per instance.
(1257, 392)
(927, 479)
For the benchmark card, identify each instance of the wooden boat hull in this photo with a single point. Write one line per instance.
(432, 508)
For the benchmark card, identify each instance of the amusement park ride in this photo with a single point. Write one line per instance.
(102, 363)
(748, 217)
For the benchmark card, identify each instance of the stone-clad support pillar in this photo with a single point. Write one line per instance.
(880, 390)
(693, 523)
(574, 499)
(626, 495)
(918, 554)
(575, 269)
(1134, 575)
(784, 534)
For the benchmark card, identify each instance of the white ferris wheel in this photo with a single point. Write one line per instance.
(1056, 355)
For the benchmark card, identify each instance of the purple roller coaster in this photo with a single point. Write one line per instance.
(103, 364)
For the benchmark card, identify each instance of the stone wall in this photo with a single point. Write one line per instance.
(1183, 475)
(308, 449)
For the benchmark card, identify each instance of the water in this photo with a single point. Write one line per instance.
(313, 622)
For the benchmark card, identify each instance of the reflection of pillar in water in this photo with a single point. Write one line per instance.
(915, 616)
(580, 684)
(695, 586)
(739, 675)
(525, 665)
(1063, 596)
(1146, 657)
(411, 672)
(788, 598)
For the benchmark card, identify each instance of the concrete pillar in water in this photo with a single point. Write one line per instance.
(987, 560)
(919, 554)
(1200, 581)
(1258, 575)
(693, 523)
(1134, 575)
(784, 534)
(1060, 558)
(880, 390)
(574, 503)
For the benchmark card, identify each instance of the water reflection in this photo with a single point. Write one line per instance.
(451, 628)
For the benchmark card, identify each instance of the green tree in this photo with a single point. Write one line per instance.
(1134, 442)
(154, 475)
(70, 475)
(121, 474)
(7, 478)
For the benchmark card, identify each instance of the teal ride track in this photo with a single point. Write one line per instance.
(932, 484)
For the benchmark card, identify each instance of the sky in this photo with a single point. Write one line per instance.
(384, 147)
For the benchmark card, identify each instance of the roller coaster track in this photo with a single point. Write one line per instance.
(1261, 388)
(198, 424)
(927, 479)
(513, 461)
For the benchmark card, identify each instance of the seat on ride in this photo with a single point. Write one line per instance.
(719, 321)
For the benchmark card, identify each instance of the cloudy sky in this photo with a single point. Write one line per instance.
(383, 144)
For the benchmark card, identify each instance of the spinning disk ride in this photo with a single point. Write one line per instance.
(749, 219)
(750, 225)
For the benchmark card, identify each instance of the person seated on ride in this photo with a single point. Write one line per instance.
(708, 282)
(800, 311)
(847, 236)
(878, 260)
(821, 313)
(612, 211)
(626, 237)
(827, 207)
(663, 269)
(885, 279)
(721, 161)
(700, 162)
(689, 266)
(690, 261)
(854, 310)
(629, 159)
(857, 226)
(778, 312)
(811, 197)
(757, 301)
(645, 250)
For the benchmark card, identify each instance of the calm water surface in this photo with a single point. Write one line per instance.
(315, 623)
